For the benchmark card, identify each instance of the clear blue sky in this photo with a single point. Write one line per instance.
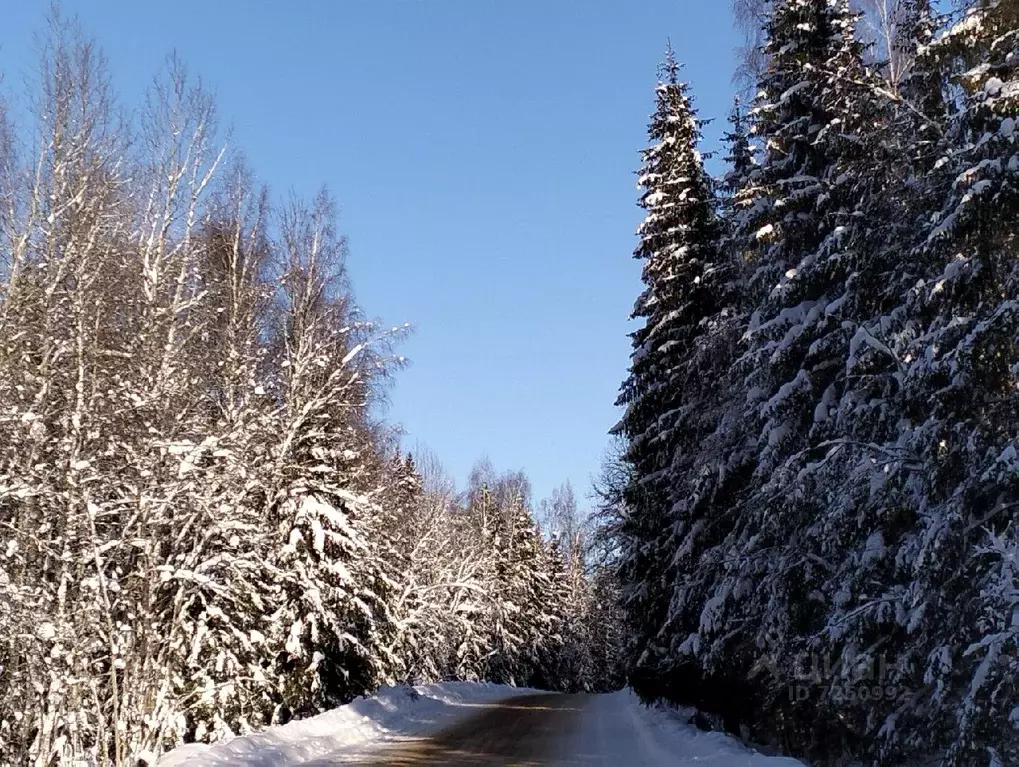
(482, 154)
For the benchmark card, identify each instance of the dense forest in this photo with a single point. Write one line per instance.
(806, 526)
(815, 508)
(205, 528)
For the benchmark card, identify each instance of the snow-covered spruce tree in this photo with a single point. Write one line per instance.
(739, 157)
(677, 247)
(568, 664)
(444, 598)
(549, 608)
(477, 615)
(959, 395)
(798, 542)
(578, 666)
(782, 208)
(796, 209)
(409, 519)
(478, 597)
(800, 207)
(893, 504)
(332, 619)
(987, 716)
(714, 458)
(918, 81)
(607, 547)
(849, 481)
(514, 540)
(604, 630)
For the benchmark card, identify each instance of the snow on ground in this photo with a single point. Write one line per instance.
(617, 730)
(393, 713)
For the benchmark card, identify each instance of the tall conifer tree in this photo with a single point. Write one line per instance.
(678, 238)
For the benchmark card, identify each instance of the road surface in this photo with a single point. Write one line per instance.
(532, 730)
(563, 731)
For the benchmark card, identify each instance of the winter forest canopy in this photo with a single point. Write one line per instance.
(806, 528)
(818, 530)
(203, 527)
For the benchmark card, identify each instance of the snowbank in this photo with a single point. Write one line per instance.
(617, 729)
(394, 713)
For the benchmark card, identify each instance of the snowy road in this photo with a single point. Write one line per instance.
(567, 731)
(458, 723)
(524, 731)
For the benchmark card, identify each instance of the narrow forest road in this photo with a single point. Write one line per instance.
(528, 730)
(565, 731)
(461, 724)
